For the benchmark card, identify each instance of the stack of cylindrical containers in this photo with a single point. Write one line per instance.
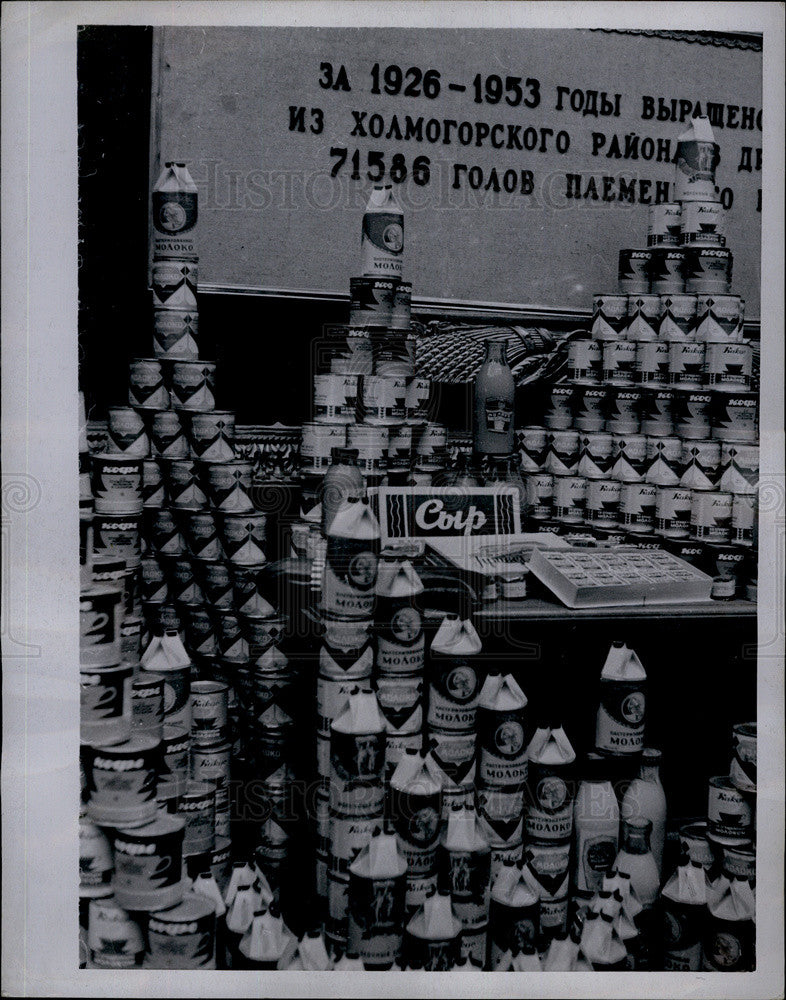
(176, 537)
(655, 432)
(367, 395)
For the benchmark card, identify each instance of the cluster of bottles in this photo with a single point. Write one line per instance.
(367, 395)
(180, 666)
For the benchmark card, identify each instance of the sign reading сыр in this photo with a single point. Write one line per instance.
(447, 512)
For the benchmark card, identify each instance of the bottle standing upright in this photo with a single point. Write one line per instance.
(635, 859)
(645, 799)
(493, 402)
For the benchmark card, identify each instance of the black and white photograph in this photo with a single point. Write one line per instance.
(393, 499)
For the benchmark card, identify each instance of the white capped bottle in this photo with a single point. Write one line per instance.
(494, 395)
(342, 481)
(382, 241)
(635, 859)
(684, 914)
(596, 822)
(645, 799)
(620, 721)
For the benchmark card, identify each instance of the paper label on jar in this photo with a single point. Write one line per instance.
(454, 693)
(620, 720)
(350, 575)
(595, 861)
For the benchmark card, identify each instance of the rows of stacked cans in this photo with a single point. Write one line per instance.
(452, 835)
(174, 536)
(366, 394)
(655, 430)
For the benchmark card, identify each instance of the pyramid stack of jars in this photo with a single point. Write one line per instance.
(367, 396)
(172, 557)
(654, 434)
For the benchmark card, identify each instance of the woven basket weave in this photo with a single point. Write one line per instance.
(453, 352)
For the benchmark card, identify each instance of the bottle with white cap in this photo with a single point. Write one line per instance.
(729, 940)
(350, 573)
(644, 798)
(684, 914)
(549, 807)
(601, 945)
(237, 921)
(342, 481)
(514, 913)
(465, 869)
(311, 954)
(399, 624)
(433, 936)
(502, 732)
(561, 953)
(620, 720)
(268, 943)
(527, 960)
(382, 241)
(635, 859)
(414, 809)
(377, 887)
(357, 757)
(595, 827)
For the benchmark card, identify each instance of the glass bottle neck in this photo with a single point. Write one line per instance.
(650, 772)
(497, 350)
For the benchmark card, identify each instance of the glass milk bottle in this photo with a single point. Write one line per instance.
(645, 799)
(595, 828)
(493, 402)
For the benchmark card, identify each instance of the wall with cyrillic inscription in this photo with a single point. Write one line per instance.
(524, 160)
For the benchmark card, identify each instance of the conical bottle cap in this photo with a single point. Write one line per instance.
(504, 962)
(463, 832)
(550, 746)
(205, 885)
(731, 899)
(361, 715)
(561, 954)
(456, 637)
(622, 664)
(512, 889)
(435, 920)
(396, 578)
(274, 717)
(502, 694)
(165, 652)
(240, 912)
(381, 858)
(242, 875)
(271, 661)
(412, 775)
(313, 953)
(354, 519)
(268, 939)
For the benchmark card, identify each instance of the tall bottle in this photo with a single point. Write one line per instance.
(635, 859)
(341, 481)
(493, 402)
(596, 821)
(684, 916)
(645, 799)
(620, 721)
(729, 940)
(382, 240)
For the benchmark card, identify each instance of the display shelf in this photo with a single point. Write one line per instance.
(536, 608)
